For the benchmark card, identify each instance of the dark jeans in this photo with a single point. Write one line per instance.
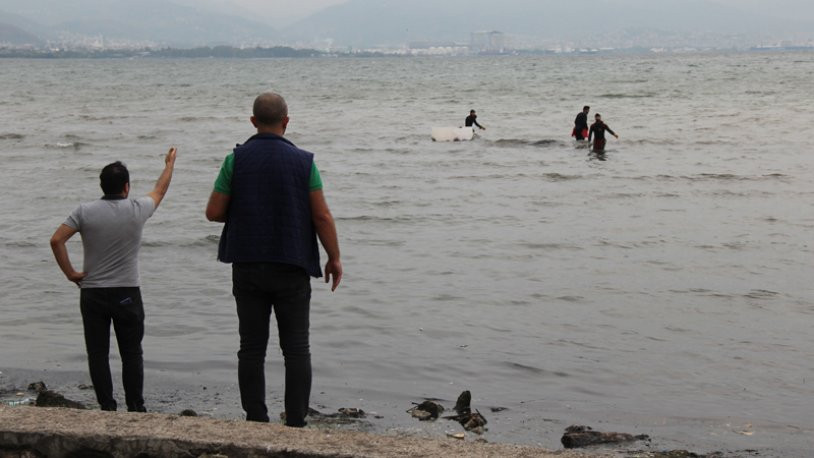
(124, 308)
(259, 287)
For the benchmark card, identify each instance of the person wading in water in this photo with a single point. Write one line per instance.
(581, 124)
(472, 119)
(597, 132)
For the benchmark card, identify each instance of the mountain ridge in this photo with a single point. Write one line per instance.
(154, 21)
(392, 22)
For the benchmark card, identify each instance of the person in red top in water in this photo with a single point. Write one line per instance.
(597, 132)
(581, 124)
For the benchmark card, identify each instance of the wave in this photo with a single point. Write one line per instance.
(492, 176)
(549, 246)
(67, 145)
(196, 118)
(554, 176)
(385, 243)
(387, 203)
(644, 95)
(647, 141)
(625, 195)
(22, 244)
(207, 241)
(711, 177)
(511, 142)
(730, 246)
(633, 81)
(383, 219)
(761, 294)
(12, 136)
(534, 370)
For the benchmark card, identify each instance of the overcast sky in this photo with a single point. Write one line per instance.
(287, 11)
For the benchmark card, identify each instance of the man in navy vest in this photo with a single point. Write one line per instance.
(269, 194)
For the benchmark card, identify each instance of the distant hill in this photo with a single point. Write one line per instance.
(11, 34)
(379, 22)
(369, 23)
(157, 21)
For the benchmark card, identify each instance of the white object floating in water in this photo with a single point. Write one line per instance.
(452, 134)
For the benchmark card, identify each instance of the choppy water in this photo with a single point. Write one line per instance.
(666, 290)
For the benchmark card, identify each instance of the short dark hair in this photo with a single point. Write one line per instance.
(597, 115)
(471, 111)
(113, 178)
(269, 109)
(586, 107)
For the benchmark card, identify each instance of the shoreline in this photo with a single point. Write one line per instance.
(57, 432)
(174, 401)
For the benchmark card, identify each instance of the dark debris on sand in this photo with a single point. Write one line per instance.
(427, 410)
(343, 416)
(583, 436)
(471, 421)
(50, 398)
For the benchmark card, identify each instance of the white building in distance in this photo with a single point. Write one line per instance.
(492, 42)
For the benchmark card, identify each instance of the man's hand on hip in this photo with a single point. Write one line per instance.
(77, 277)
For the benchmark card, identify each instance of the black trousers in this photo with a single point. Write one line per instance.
(124, 308)
(260, 288)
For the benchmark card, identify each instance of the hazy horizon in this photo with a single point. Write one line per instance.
(374, 23)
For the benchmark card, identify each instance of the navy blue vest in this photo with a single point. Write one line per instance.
(269, 216)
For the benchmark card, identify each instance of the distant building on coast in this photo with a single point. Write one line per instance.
(436, 48)
(493, 42)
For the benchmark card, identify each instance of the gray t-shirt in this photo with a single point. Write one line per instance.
(111, 238)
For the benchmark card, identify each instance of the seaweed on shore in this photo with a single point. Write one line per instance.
(583, 436)
(427, 410)
(48, 398)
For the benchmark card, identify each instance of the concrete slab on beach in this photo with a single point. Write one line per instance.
(58, 432)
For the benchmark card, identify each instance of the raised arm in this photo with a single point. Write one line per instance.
(326, 230)
(163, 183)
(58, 240)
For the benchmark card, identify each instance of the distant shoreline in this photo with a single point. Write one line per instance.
(229, 52)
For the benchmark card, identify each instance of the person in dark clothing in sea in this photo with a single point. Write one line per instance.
(597, 131)
(472, 119)
(581, 124)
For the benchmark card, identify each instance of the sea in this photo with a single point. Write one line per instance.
(664, 288)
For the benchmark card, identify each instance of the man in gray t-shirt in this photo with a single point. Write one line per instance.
(109, 280)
